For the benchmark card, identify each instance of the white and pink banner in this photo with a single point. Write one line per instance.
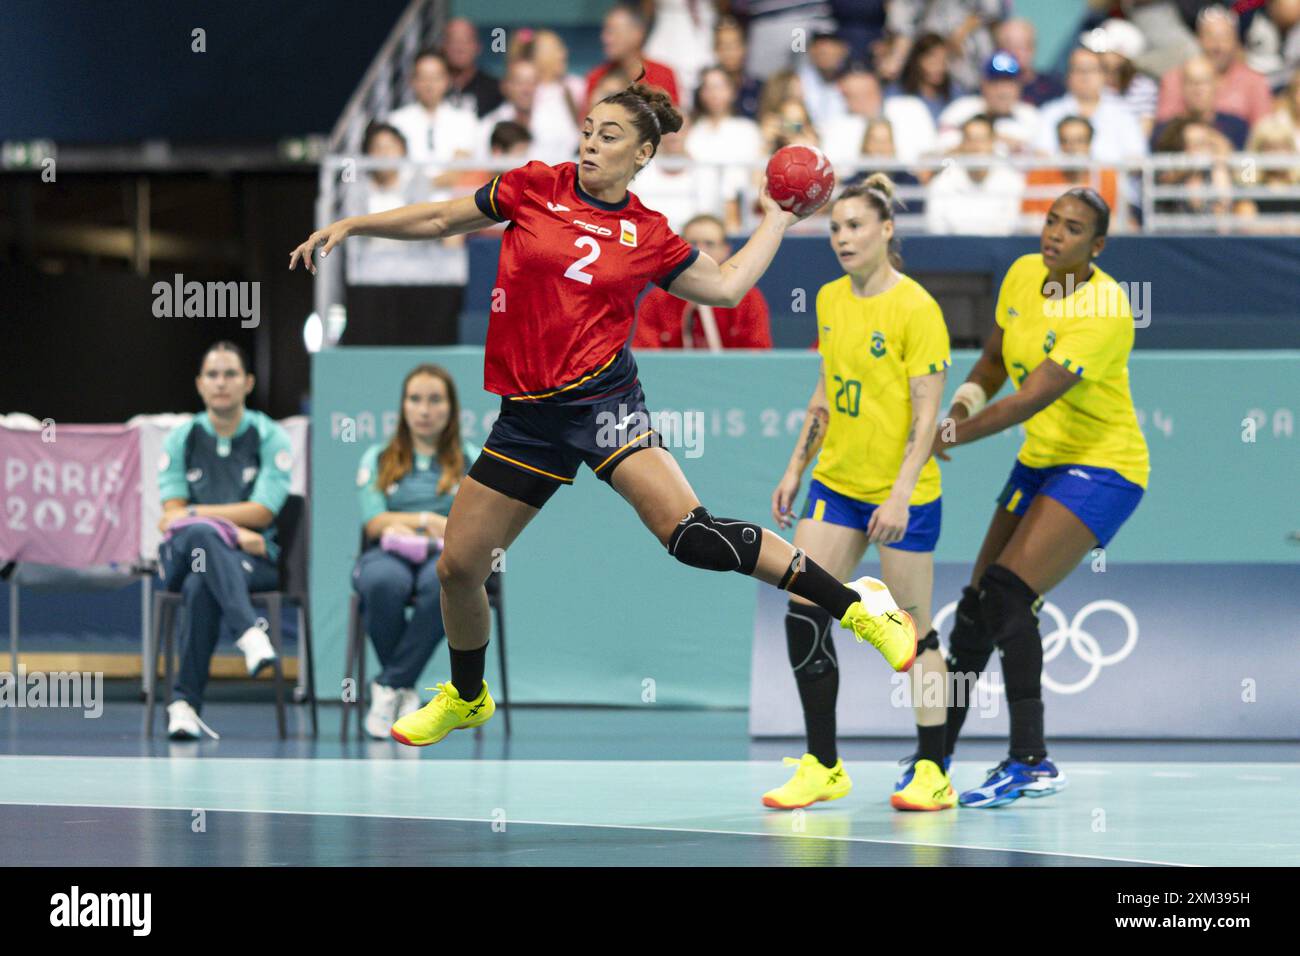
(71, 495)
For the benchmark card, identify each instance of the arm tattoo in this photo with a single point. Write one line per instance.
(813, 428)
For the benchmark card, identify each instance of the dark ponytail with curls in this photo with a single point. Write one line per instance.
(652, 111)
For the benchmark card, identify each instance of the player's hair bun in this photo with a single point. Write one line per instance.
(653, 113)
(666, 115)
(882, 184)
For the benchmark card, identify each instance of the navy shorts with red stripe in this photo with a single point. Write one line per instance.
(551, 441)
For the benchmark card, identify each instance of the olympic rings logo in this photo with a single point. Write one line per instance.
(1080, 641)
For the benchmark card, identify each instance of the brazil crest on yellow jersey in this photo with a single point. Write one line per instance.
(1089, 333)
(870, 348)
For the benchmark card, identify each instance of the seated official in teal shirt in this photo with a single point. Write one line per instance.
(223, 477)
(405, 489)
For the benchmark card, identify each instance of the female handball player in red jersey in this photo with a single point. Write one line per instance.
(578, 250)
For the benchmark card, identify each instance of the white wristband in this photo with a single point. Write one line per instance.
(972, 396)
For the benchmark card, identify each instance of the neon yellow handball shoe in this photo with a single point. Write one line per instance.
(811, 783)
(930, 789)
(442, 715)
(879, 621)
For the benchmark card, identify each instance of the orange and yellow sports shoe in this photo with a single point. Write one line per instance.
(929, 789)
(811, 783)
(440, 716)
(878, 620)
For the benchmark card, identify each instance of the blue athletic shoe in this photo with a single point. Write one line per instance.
(1011, 780)
(909, 768)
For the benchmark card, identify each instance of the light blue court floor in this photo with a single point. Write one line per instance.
(595, 787)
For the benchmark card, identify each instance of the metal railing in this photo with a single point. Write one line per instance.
(384, 85)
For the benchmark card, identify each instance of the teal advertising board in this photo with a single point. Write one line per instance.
(597, 613)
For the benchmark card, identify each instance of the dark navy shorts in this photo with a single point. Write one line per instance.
(1099, 497)
(536, 447)
(923, 521)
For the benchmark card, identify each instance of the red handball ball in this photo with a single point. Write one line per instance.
(800, 178)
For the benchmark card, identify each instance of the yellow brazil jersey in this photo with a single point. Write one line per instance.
(1089, 333)
(870, 348)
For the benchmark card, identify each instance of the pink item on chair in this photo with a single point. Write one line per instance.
(413, 547)
(227, 529)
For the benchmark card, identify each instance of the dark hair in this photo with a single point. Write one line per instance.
(227, 346)
(877, 190)
(1074, 119)
(508, 134)
(978, 118)
(1172, 137)
(698, 106)
(1127, 71)
(631, 11)
(729, 23)
(653, 113)
(911, 74)
(374, 128)
(1092, 199)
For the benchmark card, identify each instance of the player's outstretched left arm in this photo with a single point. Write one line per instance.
(1044, 385)
(708, 283)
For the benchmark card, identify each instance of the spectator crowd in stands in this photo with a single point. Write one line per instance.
(874, 83)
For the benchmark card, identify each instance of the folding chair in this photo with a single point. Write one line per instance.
(355, 661)
(292, 528)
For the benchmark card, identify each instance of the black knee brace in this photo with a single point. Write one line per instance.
(1010, 609)
(808, 641)
(970, 645)
(716, 544)
(928, 643)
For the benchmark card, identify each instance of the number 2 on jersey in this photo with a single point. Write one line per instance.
(575, 271)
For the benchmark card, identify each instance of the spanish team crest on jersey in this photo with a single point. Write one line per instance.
(877, 344)
(627, 233)
(1049, 343)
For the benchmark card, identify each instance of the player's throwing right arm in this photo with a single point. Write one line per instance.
(423, 220)
(723, 285)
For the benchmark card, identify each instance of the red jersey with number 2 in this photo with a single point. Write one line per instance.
(570, 271)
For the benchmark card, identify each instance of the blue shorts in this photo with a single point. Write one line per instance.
(535, 447)
(922, 520)
(1099, 497)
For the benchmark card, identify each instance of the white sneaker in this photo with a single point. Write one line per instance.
(258, 652)
(382, 713)
(408, 701)
(184, 724)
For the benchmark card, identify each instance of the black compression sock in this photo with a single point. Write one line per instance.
(930, 744)
(817, 675)
(1027, 730)
(820, 726)
(467, 671)
(969, 649)
(813, 583)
